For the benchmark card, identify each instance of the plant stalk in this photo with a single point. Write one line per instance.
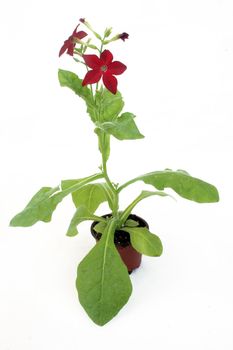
(113, 191)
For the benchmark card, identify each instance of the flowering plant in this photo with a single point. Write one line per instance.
(103, 282)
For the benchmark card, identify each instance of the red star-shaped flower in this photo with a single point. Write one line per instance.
(103, 67)
(69, 44)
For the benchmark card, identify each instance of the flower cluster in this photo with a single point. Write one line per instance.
(98, 67)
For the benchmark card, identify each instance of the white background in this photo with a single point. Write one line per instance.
(179, 83)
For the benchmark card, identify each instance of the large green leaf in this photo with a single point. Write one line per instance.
(81, 214)
(103, 283)
(123, 127)
(144, 241)
(144, 194)
(45, 201)
(37, 208)
(182, 183)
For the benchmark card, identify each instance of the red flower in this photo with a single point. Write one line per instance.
(103, 67)
(69, 44)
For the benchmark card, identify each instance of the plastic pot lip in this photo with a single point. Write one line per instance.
(97, 236)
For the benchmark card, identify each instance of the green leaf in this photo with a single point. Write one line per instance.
(45, 201)
(91, 196)
(108, 194)
(40, 207)
(104, 143)
(72, 185)
(144, 194)
(108, 105)
(86, 199)
(66, 184)
(100, 227)
(123, 128)
(131, 223)
(101, 187)
(144, 241)
(72, 81)
(183, 184)
(81, 214)
(103, 283)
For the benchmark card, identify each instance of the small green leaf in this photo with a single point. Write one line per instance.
(86, 199)
(100, 227)
(131, 223)
(103, 283)
(72, 81)
(104, 143)
(144, 241)
(108, 105)
(91, 196)
(144, 194)
(182, 183)
(81, 214)
(123, 127)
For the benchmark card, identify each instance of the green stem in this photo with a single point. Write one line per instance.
(112, 189)
(100, 51)
(127, 184)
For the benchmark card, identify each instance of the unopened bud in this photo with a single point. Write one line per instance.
(107, 32)
(82, 20)
(123, 36)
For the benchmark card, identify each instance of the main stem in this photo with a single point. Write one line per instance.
(111, 188)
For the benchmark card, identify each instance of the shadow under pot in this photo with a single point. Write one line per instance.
(130, 257)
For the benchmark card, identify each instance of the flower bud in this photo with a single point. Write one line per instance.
(107, 32)
(82, 20)
(123, 36)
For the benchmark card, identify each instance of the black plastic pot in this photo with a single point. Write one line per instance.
(129, 255)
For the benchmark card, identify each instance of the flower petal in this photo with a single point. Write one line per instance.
(74, 32)
(116, 68)
(64, 47)
(110, 82)
(92, 77)
(92, 61)
(80, 35)
(106, 57)
(70, 49)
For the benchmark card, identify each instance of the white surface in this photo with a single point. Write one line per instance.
(179, 82)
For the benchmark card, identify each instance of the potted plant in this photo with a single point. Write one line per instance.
(103, 281)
